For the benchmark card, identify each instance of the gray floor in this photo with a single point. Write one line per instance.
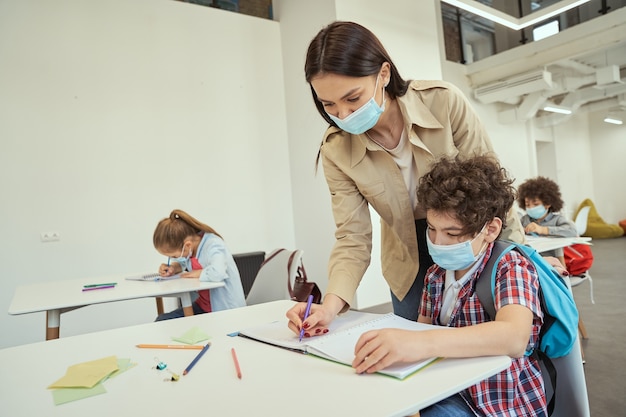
(605, 360)
(604, 349)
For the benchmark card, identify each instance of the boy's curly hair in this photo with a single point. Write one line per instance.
(543, 189)
(474, 191)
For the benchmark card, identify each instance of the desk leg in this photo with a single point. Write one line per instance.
(159, 303)
(185, 300)
(53, 322)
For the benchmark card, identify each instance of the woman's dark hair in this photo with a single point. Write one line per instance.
(474, 191)
(347, 48)
(543, 189)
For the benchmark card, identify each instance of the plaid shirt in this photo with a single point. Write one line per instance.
(518, 390)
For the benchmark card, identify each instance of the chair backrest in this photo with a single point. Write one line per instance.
(270, 283)
(581, 220)
(571, 388)
(571, 399)
(248, 265)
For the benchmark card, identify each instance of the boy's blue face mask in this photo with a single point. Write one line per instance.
(455, 257)
(536, 212)
(364, 118)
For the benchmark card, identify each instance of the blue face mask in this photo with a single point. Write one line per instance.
(364, 118)
(536, 212)
(455, 257)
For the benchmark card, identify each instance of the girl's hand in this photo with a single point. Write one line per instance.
(169, 270)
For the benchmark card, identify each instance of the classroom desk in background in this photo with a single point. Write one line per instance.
(545, 243)
(275, 381)
(58, 297)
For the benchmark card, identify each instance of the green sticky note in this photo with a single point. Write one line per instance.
(192, 336)
(123, 365)
(66, 395)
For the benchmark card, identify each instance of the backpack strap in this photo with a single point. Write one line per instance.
(486, 280)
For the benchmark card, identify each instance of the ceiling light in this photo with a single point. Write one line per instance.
(557, 109)
(509, 21)
(613, 120)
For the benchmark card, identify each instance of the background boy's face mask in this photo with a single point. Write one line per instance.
(536, 212)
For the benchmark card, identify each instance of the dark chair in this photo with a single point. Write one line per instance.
(248, 265)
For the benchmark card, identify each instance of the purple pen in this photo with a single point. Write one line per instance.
(309, 301)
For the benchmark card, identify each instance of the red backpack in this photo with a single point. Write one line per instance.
(578, 258)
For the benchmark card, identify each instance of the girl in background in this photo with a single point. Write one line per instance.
(198, 249)
(541, 198)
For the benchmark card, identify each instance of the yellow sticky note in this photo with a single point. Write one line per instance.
(86, 374)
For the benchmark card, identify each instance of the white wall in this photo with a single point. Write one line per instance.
(113, 113)
(608, 150)
(572, 164)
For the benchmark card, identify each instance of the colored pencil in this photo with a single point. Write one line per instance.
(149, 346)
(195, 360)
(237, 368)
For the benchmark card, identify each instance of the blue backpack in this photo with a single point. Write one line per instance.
(560, 322)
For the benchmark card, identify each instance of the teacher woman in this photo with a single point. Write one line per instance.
(384, 135)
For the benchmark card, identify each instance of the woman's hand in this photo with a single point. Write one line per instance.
(556, 264)
(319, 318)
(317, 322)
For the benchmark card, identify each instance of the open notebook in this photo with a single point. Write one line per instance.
(152, 277)
(338, 344)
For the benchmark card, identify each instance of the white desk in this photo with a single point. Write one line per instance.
(544, 243)
(276, 382)
(61, 296)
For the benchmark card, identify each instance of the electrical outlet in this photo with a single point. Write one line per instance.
(50, 236)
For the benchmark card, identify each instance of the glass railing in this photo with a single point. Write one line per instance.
(469, 38)
(257, 8)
